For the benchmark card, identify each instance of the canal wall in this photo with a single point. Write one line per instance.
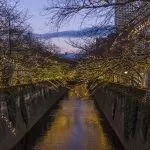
(22, 107)
(127, 110)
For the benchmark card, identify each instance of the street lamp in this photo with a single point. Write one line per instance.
(126, 72)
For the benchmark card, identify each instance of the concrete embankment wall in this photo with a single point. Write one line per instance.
(128, 112)
(21, 108)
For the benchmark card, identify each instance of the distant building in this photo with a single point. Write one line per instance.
(130, 11)
(134, 13)
(102, 46)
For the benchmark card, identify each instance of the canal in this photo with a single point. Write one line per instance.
(74, 124)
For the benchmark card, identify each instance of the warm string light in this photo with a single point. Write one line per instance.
(50, 70)
(9, 124)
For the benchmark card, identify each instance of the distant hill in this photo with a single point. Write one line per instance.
(88, 32)
(68, 56)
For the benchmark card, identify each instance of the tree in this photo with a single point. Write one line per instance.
(126, 63)
(12, 25)
(62, 10)
(12, 28)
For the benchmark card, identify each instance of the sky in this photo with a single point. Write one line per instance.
(39, 22)
(35, 8)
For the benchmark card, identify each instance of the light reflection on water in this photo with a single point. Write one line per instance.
(76, 126)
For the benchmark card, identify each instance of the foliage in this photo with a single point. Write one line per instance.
(126, 61)
(25, 59)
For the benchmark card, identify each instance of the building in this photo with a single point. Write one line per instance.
(137, 16)
(127, 12)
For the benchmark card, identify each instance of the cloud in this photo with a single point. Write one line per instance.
(87, 32)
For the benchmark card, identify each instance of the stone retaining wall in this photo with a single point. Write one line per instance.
(128, 112)
(21, 108)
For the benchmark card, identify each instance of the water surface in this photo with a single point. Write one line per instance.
(75, 124)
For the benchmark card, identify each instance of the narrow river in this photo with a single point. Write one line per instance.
(75, 124)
